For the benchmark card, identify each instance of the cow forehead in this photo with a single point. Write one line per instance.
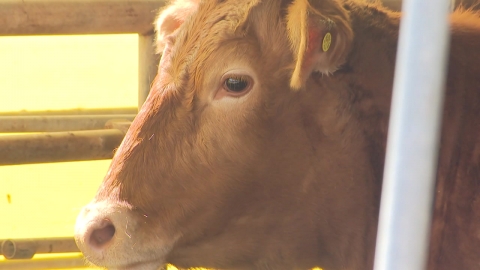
(213, 24)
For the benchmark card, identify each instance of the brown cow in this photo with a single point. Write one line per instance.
(261, 144)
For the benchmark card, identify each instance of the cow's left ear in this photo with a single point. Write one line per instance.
(320, 37)
(170, 18)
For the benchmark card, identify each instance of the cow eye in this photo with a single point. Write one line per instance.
(237, 84)
(234, 85)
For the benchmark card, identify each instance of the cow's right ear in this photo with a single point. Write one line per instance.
(170, 18)
(320, 37)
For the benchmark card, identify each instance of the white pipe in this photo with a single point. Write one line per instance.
(413, 139)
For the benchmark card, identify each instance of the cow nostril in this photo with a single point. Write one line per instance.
(102, 235)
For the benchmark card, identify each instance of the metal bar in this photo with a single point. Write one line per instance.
(64, 262)
(37, 17)
(147, 66)
(123, 126)
(413, 139)
(58, 122)
(26, 248)
(59, 146)
(99, 111)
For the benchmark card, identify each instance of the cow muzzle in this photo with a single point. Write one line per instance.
(108, 236)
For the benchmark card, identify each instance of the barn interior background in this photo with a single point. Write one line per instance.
(65, 66)
(58, 73)
(61, 72)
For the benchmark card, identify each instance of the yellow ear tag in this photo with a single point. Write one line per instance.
(327, 41)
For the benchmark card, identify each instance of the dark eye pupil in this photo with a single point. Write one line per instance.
(236, 85)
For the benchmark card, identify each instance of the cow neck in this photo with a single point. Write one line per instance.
(365, 84)
(368, 73)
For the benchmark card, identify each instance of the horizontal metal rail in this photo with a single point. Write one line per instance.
(37, 17)
(27, 248)
(56, 123)
(64, 262)
(59, 146)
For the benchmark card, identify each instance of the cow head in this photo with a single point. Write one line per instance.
(217, 166)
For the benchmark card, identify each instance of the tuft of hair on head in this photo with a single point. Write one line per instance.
(297, 33)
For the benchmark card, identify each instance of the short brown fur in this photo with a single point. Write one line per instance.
(284, 179)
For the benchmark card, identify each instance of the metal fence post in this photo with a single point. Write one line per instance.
(413, 139)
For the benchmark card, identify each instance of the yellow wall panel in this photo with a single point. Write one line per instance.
(58, 72)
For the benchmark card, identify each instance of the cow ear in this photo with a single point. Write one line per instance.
(320, 37)
(171, 18)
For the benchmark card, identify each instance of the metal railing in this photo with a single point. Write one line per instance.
(32, 17)
(413, 136)
(19, 253)
(26, 248)
(70, 135)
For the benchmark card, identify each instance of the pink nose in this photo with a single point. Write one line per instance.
(101, 236)
(101, 231)
(108, 234)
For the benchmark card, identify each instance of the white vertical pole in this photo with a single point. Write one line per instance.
(413, 139)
